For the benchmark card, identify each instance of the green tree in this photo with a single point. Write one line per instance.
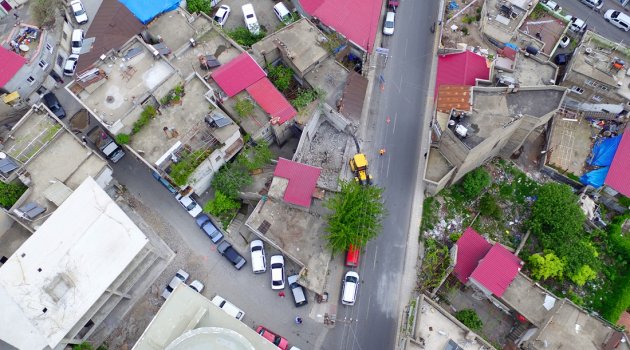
(230, 179)
(619, 299)
(280, 76)
(357, 213)
(222, 207)
(199, 6)
(546, 266)
(244, 107)
(123, 139)
(474, 183)
(583, 275)
(244, 37)
(256, 157)
(83, 346)
(10, 193)
(488, 207)
(188, 162)
(44, 12)
(470, 319)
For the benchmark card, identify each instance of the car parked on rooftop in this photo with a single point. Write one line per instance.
(79, 11)
(180, 277)
(206, 225)
(277, 271)
(277, 340)
(251, 22)
(222, 15)
(226, 249)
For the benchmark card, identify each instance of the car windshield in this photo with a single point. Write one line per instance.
(250, 16)
(191, 206)
(389, 24)
(76, 44)
(351, 279)
(276, 266)
(79, 12)
(255, 249)
(277, 283)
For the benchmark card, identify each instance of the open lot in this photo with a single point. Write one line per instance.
(571, 144)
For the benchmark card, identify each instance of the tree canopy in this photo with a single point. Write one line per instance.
(10, 193)
(474, 182)
(546, 266)
(357, 213)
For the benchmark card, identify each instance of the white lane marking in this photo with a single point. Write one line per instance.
(395, 119)
(375, 253)
(388, 160)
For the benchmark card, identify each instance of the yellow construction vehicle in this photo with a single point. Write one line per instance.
(359, 166)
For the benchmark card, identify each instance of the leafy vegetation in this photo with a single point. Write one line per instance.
(429, 214)
(475, 182)
(10, 193)
(233, 176)
(188, 162)
(123, 139)
(244, 37)
(147, 114)
(434, 264)
(280, 76)
(470, 319)
(488, 206)
(333, 42)
(222, 207)
(244, 107)
(44, 12)
(174, 95)
(546, 266)
(356, 218)
(195, 6)
(305, 96)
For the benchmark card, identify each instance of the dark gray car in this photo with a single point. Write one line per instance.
(51, 101)
(226, 249)
(299, 295)
(208, 227)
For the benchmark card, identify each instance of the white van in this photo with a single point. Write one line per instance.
(282, 13)
(77, 40)
(259, 263)
(618, 19)
(350, 288)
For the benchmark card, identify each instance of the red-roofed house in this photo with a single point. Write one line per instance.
(617, 177)
(272, 101)
(300, 179)
(489, 268)
(11, 63)
(463, 68)
(238, 74)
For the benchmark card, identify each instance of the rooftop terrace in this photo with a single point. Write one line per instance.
(504, 17)
(532, 72)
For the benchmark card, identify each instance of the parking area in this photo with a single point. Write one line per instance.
(264, 13)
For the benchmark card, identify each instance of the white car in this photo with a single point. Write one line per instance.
(259, 263)
(189, 204)
(196, 286)
(350, 288)
(71, 65)
(251, 22)
(79, 11)
(388, 25)
(577, 25)
(282, 12)
(222, 15)
(228, 307)
(551, 6)
(180, 277)
(77, 41)
(277, 272)
(564, 42)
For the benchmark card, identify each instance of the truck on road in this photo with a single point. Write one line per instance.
(106, 144)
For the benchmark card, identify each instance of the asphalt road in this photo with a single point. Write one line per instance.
(594, 20)
(372, 322)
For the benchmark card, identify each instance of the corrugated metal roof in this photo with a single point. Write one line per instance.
(354, 96)
(112, 26)
(471, 248)
(302, 181)
(617, 177)
(461, 69)
(271, 100)
(238, 74)
(11, 64)
(454, 96)
(497, 269)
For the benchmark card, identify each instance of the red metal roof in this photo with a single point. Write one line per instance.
(357, 20)
(11, 64)
(302, 181)
(471, 248)
(461, 69)
(271, 100)
(497, 269)
(617, 177)
(238, 74)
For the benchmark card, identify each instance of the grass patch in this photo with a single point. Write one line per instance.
(430, 216)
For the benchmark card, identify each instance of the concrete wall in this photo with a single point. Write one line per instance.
(336, 119)
(608, 96)
(5, 222)
(452, 148)
(433, 188)
(282, 132)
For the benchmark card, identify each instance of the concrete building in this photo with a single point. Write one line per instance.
(434, 328)
(117, 90)
(527, 70)
(51, 161)
(7, 5)
(500, 20)
(489, 122)
(598, 78)
(79, 266)
(187, 320)
(34, 58)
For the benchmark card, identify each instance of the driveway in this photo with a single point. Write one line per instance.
(264, 13)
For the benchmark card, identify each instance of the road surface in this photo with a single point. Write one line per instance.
(596, 21)
(372, 322)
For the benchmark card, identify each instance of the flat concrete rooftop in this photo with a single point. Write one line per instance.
(331, 77)
(436, 328)
(251, 123)
(570, 144)
(173, 28)
(127, 84)
(298, 234)
(300, 41)
(438, 166)
(188, 320)
(494, 108)
(531, 72)
(527, 298)
(501, 25)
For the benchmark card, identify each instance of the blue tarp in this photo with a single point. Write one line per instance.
(595, 178)
(512, 46)
(604, 151)
(145, 10)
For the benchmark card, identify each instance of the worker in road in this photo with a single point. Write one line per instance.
(381, 151)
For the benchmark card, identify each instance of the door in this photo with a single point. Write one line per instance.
(6, 6)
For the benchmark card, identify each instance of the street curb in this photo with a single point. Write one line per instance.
(413, 247)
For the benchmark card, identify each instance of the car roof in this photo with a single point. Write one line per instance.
(248, 8)
(277, 259)
(222, 9)
(256, 243)
(390, 16)
(281, 8)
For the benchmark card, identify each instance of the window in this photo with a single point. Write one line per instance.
(64, 36)
(49, 47)
(590, 82)
(59, 60)
(43, 64)
(577, 90)
(30, 80)
(604, 87)
(597, 98)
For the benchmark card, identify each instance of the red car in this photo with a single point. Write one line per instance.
(352, 258)
(277, 340)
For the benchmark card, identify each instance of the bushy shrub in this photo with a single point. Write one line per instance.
(147, 114)
(474, 183)
(10, 193)
(195, 6)
(123, 139)
(244, 37)
(470, 319)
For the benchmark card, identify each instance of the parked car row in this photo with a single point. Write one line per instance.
(181, 277)
(249, 16)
